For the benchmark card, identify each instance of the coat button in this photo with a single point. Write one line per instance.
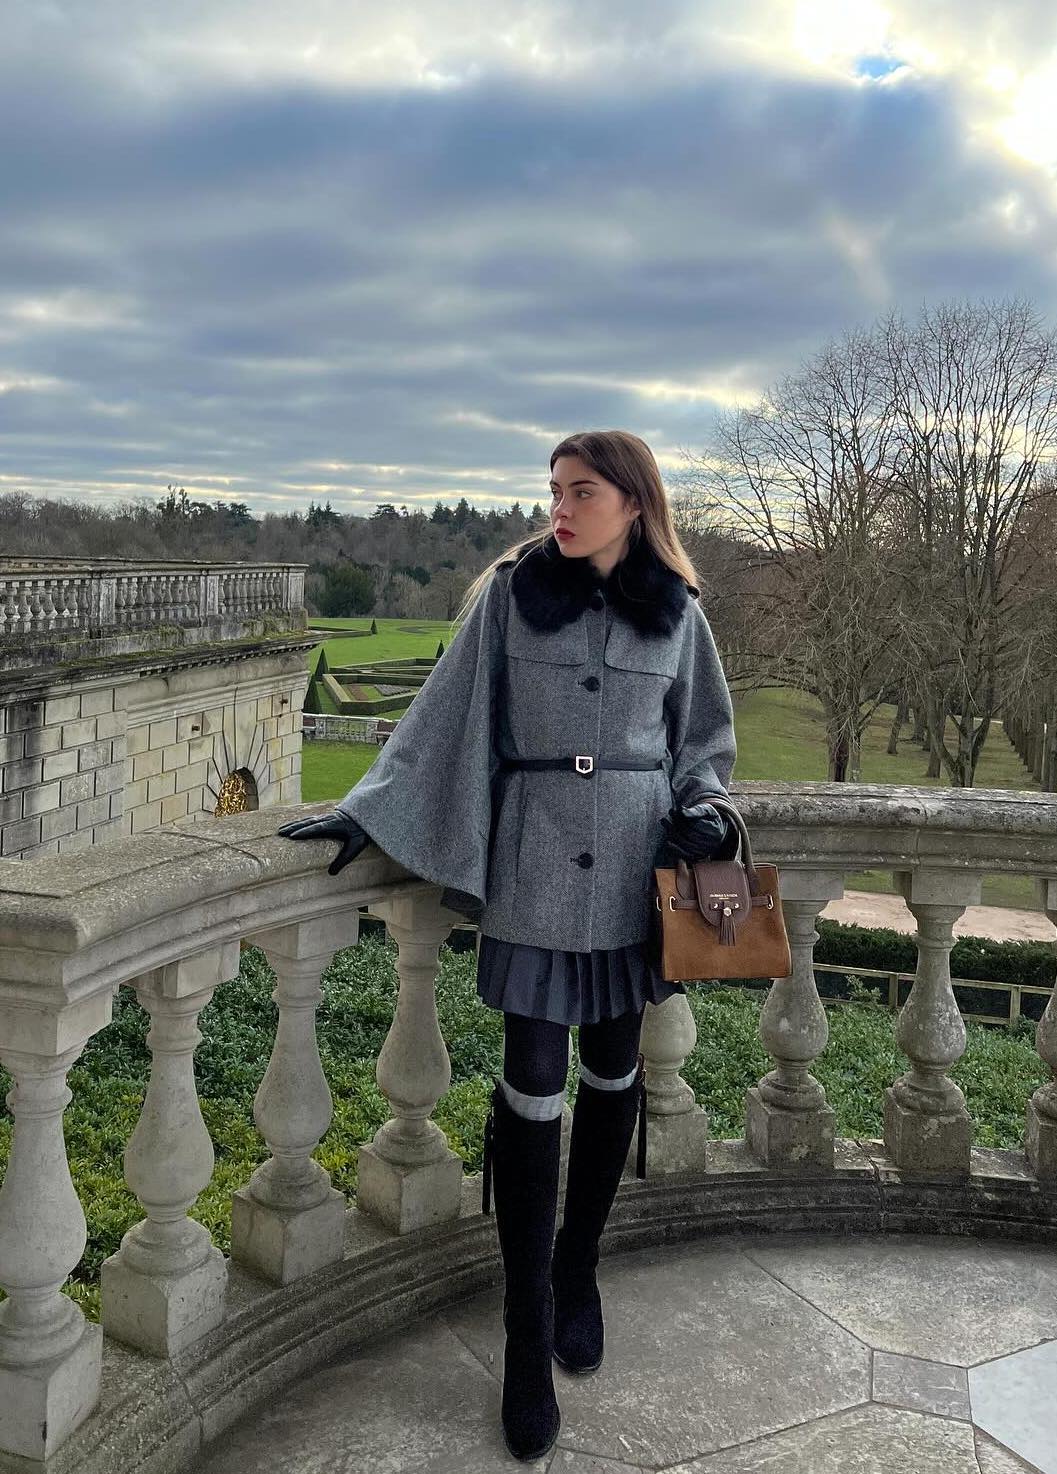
(591, 684)
(585, 860)
(598, 601)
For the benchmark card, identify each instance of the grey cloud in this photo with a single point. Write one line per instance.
(412, 255)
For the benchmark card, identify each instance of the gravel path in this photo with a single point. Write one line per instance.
(999, 922)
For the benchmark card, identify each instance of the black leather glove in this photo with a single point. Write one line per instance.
(699, 832)
(330, 826)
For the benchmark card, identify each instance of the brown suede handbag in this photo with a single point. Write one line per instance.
(720, 918)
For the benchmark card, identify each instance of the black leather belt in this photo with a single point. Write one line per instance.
(581, 763)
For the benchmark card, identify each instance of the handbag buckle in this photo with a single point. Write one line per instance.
(584, 764)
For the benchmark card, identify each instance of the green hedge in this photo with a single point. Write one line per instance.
(1024, 963)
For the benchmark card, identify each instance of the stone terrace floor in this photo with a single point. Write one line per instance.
(791, 1354)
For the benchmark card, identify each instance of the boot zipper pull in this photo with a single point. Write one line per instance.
(486, 1186)
(640, 1156)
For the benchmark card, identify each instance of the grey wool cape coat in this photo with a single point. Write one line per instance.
(553, 858)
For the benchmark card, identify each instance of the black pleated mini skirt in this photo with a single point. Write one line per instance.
(568, 987)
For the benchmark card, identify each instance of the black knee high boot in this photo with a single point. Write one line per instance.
(603, 1123)
(521, 1162)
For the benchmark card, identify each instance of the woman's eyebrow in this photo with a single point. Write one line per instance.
(584, 481)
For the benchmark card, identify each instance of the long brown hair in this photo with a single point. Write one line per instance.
(626, 461)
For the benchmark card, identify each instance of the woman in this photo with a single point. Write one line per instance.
(567, 741)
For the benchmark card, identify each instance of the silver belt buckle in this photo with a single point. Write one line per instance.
(584, 764)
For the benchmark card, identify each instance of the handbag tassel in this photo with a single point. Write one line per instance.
(640, 1154)
(726, 928)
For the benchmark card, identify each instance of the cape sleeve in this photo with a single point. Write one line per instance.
(699, 717)
(427, 798)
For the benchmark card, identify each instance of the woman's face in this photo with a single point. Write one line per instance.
(590, 517)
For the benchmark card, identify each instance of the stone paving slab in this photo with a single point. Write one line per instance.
(993, 1459)
(415, 1402)
(1014, 1400)
(921, 1386)
(716, 1363)
(866, 1440)
(703, 1349)
(898, 1294)
(564, 1461)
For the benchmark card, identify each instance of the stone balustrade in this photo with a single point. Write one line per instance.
(51, 596)
(194, 1338)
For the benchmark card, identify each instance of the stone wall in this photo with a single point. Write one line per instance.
(89, 757)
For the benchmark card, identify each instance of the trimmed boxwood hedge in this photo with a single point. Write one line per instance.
(1023, 963)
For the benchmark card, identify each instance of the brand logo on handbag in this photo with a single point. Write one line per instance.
(723, 895)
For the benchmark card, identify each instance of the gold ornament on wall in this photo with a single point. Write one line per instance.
(238, 794)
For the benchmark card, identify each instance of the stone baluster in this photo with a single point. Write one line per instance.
(165, 1286)
(36, 604)
(1041, 1136)
(48, 608)
(676, 1126)
(926, 1124)
(408, 1176)
(788, 1122)
(134, 605)
(50, 1357)
(63, 603)
(288, 1221)
(24, 624)
(153, 598)
(7, 609)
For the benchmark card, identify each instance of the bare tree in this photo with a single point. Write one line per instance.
(804, 478)
(973, 387)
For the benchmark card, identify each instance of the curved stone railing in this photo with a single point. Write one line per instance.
(55, 595)
(165, 912)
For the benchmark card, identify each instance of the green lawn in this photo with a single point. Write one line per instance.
(781, 734)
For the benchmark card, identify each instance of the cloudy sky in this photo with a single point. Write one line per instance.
(374, 250)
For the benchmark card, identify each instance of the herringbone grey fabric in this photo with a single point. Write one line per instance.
(556, 859)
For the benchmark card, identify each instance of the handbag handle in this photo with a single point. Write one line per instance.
(721, 802)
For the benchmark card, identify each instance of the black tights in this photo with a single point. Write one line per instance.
(536, 1051)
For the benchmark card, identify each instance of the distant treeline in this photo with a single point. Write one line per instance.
(395, 563)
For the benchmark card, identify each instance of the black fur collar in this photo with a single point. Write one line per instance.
(551, 590)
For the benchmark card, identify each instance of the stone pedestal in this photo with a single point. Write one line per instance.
(42, 1403)
(406, 1196)
(162, 1313)
(673, 1144)
(936, 1144)
(1040, 1142)
(284, 1244)
(785, 1138)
